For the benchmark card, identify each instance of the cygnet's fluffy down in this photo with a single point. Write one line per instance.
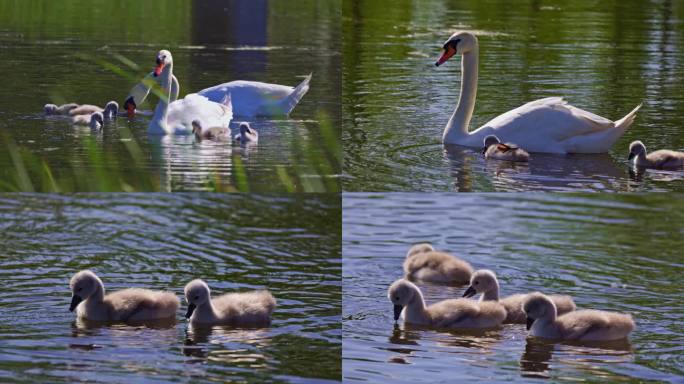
(484, 282)
(243, 309)
(583, 325)
(425, 264)
(133, 304)
(454, 313)
(660, 159)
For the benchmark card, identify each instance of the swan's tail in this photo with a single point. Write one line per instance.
(288, 103)
(626, 121)
(601, 141)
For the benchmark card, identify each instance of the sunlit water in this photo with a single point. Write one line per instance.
(616, 253)
(604, 57)
(55, 55)
(288, 245)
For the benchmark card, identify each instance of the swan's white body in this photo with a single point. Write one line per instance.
(177, 117)
(253, 98)
(249, 98)
(548, 125)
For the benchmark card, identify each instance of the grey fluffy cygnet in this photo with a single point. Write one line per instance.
(495, 149)
(660, 159)
(132, 304)
(584, 325)
(453, 313)
(243, 309)
(485, 282)
(423, 263)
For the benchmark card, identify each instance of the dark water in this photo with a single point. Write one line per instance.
(289, 245)
(62, 51)
(617, 253)
(605, 57)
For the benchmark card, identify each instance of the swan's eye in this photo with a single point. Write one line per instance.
(396, 297)
(196, 298)
(79, 289)
(477, 282)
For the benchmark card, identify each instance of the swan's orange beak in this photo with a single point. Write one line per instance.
(446, 55)
(158, 68)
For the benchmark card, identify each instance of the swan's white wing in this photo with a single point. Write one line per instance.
(253, 98)
(195, 107)
(543, 125)
(251, 91)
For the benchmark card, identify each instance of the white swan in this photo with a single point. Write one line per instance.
(177, 117)
(246, 308)
(250, 98)
(132, 304)
(546, 125)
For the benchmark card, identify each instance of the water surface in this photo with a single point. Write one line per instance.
(289, 245)
(95, 51)
(617, 253)
(605, 57)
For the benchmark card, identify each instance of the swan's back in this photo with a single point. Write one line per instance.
(437, 267)
(254, 98)
(141, 304)
(552, 125)
(245, 308)
(591, 324)
(181, 113)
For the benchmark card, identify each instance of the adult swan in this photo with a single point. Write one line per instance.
(546, 125)
(176, 117)
(249, 98)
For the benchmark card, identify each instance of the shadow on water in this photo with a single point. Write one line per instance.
(536, 360)
(549, 172)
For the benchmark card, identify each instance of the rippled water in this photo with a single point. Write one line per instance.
(618, 253)
(605, 57)
(61, 52)
(289, 245)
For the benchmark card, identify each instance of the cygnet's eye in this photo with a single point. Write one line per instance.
(477, 282)
(196, 298)
(396, 297)
(79, 289)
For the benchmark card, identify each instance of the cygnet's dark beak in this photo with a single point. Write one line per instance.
(631, 156)
(191, 309)
(530, 321)
(470, 292)
(75, 300)
(397, 311)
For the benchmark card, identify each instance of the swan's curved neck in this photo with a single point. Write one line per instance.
(99, 293)
(206, 311)
(457, 127)
(492, 294)
(162, 108)
(415, 309)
